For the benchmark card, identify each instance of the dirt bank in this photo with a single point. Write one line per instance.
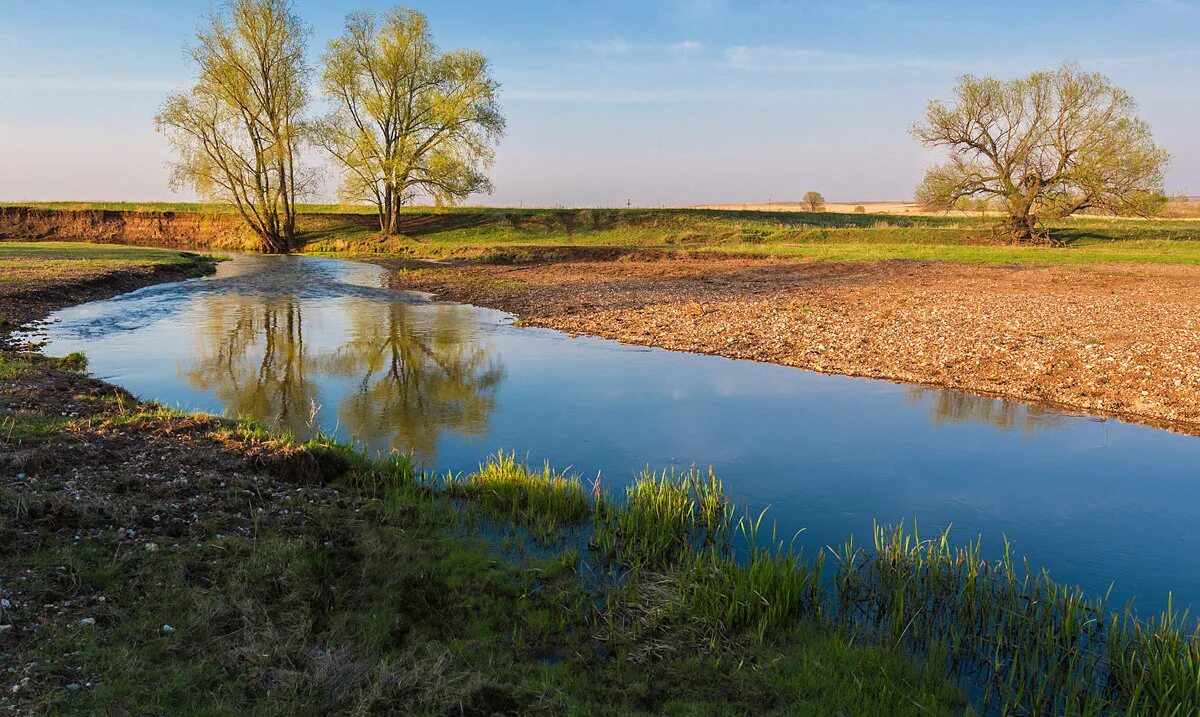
(1118, 341)
(174, 229)
(187, 230)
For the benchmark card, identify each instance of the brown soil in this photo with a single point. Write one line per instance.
(1118, 341)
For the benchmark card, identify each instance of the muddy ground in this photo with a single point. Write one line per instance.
(1120, 341)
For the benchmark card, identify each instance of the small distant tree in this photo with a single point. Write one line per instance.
(409, 118)
(237, 131)
(813, 201)
(1041, 147)
(860, 209)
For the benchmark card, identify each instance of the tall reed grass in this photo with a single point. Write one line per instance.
(1031, 645)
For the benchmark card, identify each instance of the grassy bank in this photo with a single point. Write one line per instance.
(500, 234)
(209, 567)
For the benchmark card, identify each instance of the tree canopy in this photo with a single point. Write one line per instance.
(409, 119)
(237, 131)
(813, 201)
(1043, 146)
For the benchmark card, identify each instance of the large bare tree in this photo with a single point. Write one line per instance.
(410, 119)
(237, 131)
(1042, 147)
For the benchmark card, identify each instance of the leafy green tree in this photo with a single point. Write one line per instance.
(813, 201)
(1042, 147)
(410, 119)
(237, 131)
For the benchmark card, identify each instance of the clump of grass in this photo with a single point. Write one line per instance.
(664, 516)
(542, 501)
(693, 564)
(760, 590)
(74, 361)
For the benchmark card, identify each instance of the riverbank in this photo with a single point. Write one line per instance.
(37, 278)
(165, 562)
(1112, 340)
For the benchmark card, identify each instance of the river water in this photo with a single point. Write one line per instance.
(301, 341)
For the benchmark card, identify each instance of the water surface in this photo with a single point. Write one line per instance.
(302, 341)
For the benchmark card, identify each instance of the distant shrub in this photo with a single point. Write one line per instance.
(860, 209)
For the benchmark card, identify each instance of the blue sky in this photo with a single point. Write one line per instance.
(656, 102)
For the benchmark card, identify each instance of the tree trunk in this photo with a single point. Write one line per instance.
(1024, 228)
(394, 215)
(274, 243)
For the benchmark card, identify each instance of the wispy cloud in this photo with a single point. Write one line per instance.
(83, 84)
(618, 48)
(668, 96)
(765, 58)
(606, 48)
(1173, 7)
(697, 10)
(684, 50)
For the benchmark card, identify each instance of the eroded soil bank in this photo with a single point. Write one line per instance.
(1114, 340)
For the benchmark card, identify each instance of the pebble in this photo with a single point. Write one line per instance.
(151, 546)
(73, 686)
(168, 628)
(88, 621)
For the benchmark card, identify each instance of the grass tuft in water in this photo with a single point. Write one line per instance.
(544, 502)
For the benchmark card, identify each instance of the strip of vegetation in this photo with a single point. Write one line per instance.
(507, 235)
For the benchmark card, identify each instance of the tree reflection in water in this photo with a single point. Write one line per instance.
(957, 407)
(415, 372)
(417, 376)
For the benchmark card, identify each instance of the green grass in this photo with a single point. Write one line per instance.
(543, 501)
(507, 234)
(513, 235)
(91, 253)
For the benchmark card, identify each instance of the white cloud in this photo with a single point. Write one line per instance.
(606, 48)
(644, 96)
(83, 84)
(1173, 7)
(784, 59)
(684, 50)
(697, 10)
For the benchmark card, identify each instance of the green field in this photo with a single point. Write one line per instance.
(89, 253)
(515, 234)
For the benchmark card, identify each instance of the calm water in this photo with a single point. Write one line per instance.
(280, 338)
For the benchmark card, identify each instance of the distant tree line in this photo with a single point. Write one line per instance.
(407, 118)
